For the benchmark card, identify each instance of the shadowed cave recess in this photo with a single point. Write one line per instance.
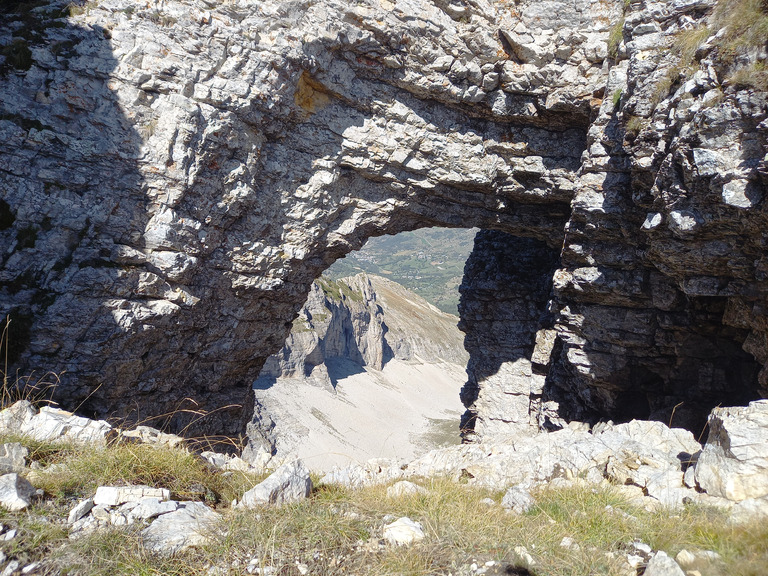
(166, 208)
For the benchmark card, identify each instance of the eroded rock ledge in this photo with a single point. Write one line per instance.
(174, 176)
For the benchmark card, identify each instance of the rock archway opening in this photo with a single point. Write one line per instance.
(374, 361)
(160, 265)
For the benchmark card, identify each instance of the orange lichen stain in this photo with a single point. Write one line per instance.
(310, 95)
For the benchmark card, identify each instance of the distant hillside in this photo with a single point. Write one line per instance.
(429, 261)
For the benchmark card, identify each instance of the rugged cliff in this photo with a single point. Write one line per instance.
(175, 175)
(367, 320)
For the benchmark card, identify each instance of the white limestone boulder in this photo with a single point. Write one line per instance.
(734, 462)
(152, 436)
(192, 525)
(403, 532)
(404, 488)
(517, 499)
(663, 565)
(52, 424)
(750, 510)
(150, 507)
(117, 495)
(16, 493)
(79, 510)
(374, 471)
(288, 483)
(13, 457)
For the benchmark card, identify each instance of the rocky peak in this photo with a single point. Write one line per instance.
(367, 320)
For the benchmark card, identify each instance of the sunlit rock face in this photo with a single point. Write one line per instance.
(173, 178)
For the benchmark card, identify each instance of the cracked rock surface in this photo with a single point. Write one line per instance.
(173, 178)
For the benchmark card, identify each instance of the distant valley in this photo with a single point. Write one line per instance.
(428, 261)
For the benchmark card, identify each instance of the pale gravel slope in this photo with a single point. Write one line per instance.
(399, 412)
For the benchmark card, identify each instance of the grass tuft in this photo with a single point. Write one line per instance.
(71, 471)
(738, 33)
(615, 36)
(754, 75)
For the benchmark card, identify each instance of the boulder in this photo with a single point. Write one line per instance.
(404, 488)
(734, 462)
(16, 493)
(288, 483)
(193, 524)
(13, 457)
(374, 471)
(517, 499)
(228, 462)
(151, 507)
(663, 565)
(403, 531)
(152, 436)
(81, 509)
(116, 495)
(750, 510)
(52, 424)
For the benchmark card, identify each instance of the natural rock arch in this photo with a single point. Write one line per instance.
(255, 144)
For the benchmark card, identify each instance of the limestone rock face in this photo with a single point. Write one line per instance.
(734, 462)
(174, 177)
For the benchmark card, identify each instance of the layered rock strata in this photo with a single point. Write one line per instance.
(174, 176)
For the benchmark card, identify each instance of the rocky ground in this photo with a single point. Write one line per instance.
(83, 497)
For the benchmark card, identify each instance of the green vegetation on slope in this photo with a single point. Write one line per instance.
(738, 32)
(338, 290)
(429, 261)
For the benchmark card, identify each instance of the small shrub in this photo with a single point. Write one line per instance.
(617, 98)
(754, 75)
(17, 55)
(77, 8)
(615, 37)
(634, 125)
(663, 86)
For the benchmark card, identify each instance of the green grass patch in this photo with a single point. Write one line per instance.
(615, 36)
(72, 471)
(339, 290)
